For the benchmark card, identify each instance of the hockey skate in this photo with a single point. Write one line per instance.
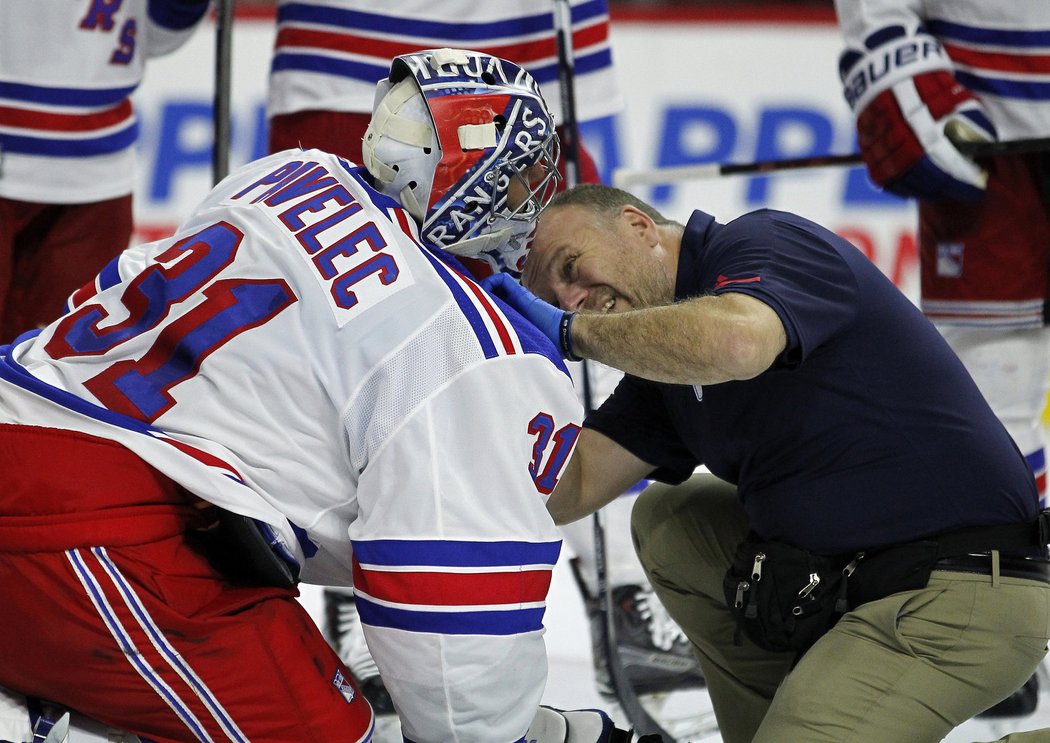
(344, 633)
(647, 653)
(653, 650)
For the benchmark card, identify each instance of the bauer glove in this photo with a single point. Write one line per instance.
(910, 112)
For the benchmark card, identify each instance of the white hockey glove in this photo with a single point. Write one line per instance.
(574, 726)
(910, 111)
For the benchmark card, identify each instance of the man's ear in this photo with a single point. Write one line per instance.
(640, 224)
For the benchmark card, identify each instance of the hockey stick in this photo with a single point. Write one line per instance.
(624, 178)
(220, 159)
(640, 719)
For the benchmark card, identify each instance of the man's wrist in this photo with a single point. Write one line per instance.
(565, 336)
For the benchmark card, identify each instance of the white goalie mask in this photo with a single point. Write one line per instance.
(465, 142)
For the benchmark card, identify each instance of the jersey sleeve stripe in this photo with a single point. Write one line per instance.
(584, 63)
(384, 23)
(97, 97)
(87, 147)
(454, 589)
(358, 70)
(447, 553)
(21, 118)
(328, 66)
(999, 61)
(950, 30)
(334, 43)
(501, 623)
(1028, 90)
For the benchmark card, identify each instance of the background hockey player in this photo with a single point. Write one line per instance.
(328, 56)
(918, 73)
(287, 389)
(67, 140)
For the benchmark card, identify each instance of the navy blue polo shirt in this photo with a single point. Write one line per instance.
(866, 431)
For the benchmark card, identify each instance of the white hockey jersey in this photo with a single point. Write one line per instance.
(999, 50)
(295, 355)
(330, 54)
(67, 71)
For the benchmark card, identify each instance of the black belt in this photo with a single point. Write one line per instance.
(1011, 567)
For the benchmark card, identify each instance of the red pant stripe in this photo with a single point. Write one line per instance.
(125, 637)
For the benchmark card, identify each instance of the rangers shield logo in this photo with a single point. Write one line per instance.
(343, 686)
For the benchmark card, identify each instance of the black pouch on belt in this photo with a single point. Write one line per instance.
(785, 598)
(881, 573)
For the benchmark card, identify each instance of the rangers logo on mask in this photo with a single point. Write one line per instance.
(466, 143)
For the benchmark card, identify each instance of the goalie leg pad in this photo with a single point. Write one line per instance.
(574, 726)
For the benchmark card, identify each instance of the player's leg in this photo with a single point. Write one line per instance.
(12, 215)
(148, 639)
(685, 537)
(144, 633)
(983, 278)
(338, 132)
(1012, 370)
(58, 251)
(653, 650)
(984, 284)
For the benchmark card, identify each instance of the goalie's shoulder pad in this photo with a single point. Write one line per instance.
(890, 54)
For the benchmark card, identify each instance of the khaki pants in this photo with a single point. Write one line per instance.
(906, 668)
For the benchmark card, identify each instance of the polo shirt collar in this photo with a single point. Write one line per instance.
(698, 230)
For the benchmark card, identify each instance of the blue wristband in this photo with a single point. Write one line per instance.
(565, 336)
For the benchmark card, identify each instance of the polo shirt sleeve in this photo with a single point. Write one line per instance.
(795, 267)
(635, 416)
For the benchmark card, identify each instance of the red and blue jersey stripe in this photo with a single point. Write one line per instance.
(1011, 63)
(359, 44)
(454, 587)
(65, 122)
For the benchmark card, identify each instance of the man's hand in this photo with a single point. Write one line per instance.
(911, 111)
(550, 320)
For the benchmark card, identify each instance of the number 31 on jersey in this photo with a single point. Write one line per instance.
(550, 451)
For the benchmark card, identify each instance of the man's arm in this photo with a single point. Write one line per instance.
(705, 340)
(598, 471)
